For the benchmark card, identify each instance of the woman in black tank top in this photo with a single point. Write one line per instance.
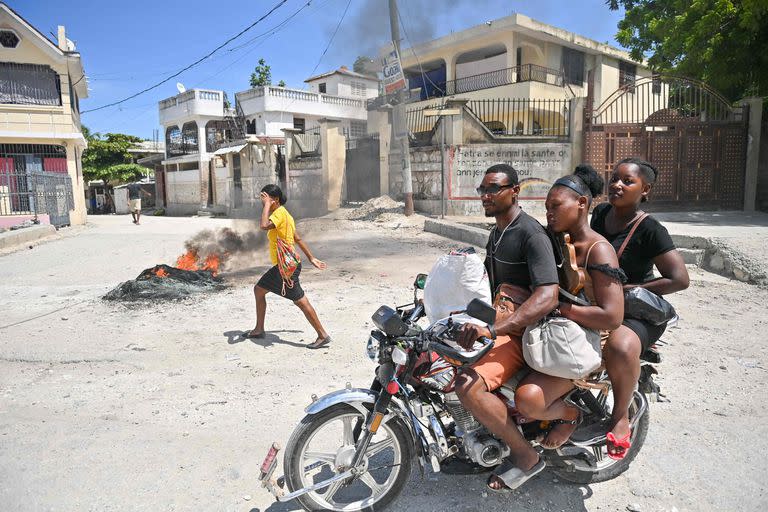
(539, 396)
(650, 245)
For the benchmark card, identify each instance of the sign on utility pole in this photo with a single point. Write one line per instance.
(394, 80)
(397, 84)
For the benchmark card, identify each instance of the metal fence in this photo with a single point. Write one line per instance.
(37, 193)
(34, 181)
(418, 124)
(524, 116)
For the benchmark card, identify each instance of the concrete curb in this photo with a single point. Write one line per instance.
(709, 253)
(459, 232)
(11, 239)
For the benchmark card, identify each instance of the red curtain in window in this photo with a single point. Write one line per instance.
(8, 185)
(55, 165)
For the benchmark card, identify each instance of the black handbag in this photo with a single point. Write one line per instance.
(645, 305)
(640, 303)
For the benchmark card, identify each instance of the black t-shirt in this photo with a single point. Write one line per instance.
(134, 191)
(650, 240)
(522, 254)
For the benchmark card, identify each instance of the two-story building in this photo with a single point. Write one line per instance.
(217, 156)
(41, 140)
(515, 58)
(339, 94)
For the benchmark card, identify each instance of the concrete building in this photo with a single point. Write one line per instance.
(218, 157)
(41, 139)
(516, 57)
(339, 94)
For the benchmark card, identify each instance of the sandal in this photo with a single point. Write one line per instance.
(250, 335)
(512, 476)
(319, 343)
(575, 423)
(618, 448)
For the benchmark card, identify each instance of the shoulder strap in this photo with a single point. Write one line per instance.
(631, 232)
(589, 251)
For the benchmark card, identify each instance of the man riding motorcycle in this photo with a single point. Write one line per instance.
(520, 253)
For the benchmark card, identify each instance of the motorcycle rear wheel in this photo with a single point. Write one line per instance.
(391, 449)
(582, 473)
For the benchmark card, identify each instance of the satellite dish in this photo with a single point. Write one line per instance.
(180, 87)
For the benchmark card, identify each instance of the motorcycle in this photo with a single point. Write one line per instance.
(355, 448)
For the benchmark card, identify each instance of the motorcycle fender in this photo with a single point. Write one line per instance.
(354, 397)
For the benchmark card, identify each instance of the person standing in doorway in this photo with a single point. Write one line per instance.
(279, 224)
(134, 200)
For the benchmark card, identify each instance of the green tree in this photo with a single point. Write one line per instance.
(281, 83)
(721, 42)
(107, 157)
(262, 74)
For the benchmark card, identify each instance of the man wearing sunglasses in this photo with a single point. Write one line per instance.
(519, 252)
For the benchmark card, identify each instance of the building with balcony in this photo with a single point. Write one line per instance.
(339, 94)
(515, 58)
(218, 156)
(41, 140)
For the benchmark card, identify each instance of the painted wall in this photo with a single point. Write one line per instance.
(34, 124)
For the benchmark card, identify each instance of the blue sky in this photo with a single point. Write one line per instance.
(126, 49)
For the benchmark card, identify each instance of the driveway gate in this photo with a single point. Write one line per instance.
(691, 133)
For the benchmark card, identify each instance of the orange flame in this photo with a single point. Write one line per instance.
(190, 261)
(161, 273)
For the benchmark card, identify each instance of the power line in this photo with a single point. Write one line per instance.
(158, 84)
(331, 39)
(421, 69)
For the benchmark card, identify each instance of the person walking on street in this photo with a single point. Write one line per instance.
(279, 225)
(134, 200)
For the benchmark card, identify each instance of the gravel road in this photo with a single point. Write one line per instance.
(164, 406)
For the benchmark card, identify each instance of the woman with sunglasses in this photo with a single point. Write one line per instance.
(568, 201)
(649, 245)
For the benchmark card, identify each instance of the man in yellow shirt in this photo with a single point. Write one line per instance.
(279, 224)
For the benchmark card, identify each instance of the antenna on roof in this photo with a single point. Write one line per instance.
(180, 87)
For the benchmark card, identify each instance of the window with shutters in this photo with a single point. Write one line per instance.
(573, 66)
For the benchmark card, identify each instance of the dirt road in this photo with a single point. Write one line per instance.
(164, 406)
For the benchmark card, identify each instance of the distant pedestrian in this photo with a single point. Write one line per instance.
(134, 200)
(280, 226)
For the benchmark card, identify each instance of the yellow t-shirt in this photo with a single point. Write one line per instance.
(284, 228)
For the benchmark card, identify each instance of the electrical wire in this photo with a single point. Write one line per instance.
(331, 39)
(421, 68)
(158, 84)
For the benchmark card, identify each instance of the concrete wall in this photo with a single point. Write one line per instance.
(305, 187)
(183, 192)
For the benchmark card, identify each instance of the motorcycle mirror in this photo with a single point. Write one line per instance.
(482, 311)
(421, 279)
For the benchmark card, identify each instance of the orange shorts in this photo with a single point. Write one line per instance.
(503, 361)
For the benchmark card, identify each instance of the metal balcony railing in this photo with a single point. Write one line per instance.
(497, 78)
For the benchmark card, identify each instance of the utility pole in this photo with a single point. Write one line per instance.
(399, 122)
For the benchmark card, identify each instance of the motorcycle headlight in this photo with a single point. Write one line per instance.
(372, 348)
(399, 356)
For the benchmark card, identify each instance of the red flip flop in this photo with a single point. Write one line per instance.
(618, 448)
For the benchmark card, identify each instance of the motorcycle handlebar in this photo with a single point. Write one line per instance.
(458, 355)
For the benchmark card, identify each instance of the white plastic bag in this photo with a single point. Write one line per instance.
(453, 282)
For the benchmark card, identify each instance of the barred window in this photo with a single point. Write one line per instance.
(29, 84)
(627, 74)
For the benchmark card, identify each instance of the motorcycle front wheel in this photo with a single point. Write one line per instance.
(323, 446)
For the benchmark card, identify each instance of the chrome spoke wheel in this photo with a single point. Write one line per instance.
(328, 449)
